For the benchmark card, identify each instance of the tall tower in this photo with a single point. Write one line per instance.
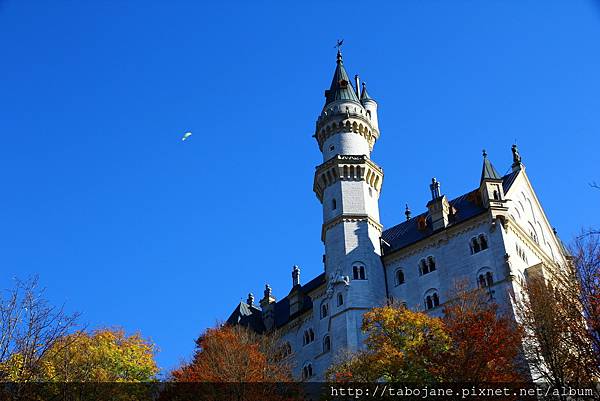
(348, 184)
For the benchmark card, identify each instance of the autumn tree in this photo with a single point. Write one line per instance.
(485, 343)
(29, 327)
(560, 314)
(237, 364)
(401, 346)
(104, 355)
(235, 354)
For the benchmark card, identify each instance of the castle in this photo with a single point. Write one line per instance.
(490, 237)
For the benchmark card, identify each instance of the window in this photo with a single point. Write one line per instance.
(333, 204)
(483, 242)
(324, 310)
(307, 371)
(326, 344)
(286, 350)
(478, 244)
(485, 278)
(432, 299)
(399, 277)
(358, 272)
(431, 263)
(309, 336)
(427, 265)
(340, 299)
(331, 147)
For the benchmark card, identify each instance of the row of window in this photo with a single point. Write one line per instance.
(432, 298)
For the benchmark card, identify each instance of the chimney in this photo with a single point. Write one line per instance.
(439, 208)
(357, 83)
(267, 305)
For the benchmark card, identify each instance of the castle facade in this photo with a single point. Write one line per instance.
(490, 237)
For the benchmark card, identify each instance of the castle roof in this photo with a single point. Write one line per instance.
(464, 208)
(489, 172)
(341, 88)
(282, 307)
(247, 315)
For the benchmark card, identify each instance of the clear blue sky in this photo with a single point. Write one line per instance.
(133, 227)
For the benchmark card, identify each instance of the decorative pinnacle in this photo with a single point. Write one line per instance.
(268, 291)
(339, 50)
(484, 154)
(407, 212)
(250, 300)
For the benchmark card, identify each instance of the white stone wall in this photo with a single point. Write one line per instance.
(454, 263)
(345, 143)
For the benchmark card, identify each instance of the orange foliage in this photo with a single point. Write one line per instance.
(233, 354)
(485, 343)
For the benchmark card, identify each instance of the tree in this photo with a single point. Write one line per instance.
(401, 346)
(485, 343)
(586, 260)
(29, 327)
(234, 363)
(555, 333)
(235, 354)
(104, 355)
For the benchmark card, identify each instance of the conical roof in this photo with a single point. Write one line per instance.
(489, 172)
(364, 95)
(341, 87)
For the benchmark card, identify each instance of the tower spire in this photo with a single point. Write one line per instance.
(341, 87)
(488, 172)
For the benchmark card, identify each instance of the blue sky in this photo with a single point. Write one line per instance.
(132, 227)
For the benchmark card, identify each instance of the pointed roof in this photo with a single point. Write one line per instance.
(489, 172)
(364, 94)
(247, 315)
(341, 87)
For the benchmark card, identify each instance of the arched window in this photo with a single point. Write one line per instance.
(423, 268)
(333, 204)
(358, 272)
(286, 350)
(340, 299)
(324, 309)
(307, 371)
(436, 299)
(399, 277)
(431, 263)
(483, 242)
(485, 278)
(475, 245)
(431, 299)
(309, 336)
(326, 344)
(496, 195)
(489, 279)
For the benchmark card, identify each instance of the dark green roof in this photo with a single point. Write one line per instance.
(364, 94)
(489, 172)
(341, 87)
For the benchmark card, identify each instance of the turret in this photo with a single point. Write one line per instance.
(491, 189)
(370, 106)
(348, 184)
(344, 114)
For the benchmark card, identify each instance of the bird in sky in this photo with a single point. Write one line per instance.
(186, 135)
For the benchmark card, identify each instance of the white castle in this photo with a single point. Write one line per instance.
(488, 237)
